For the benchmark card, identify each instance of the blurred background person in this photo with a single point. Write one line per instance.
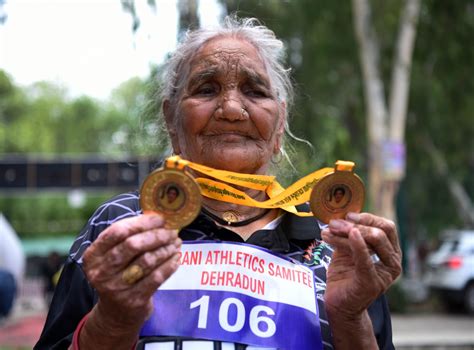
(50, 272)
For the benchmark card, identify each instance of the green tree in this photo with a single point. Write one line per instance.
(133, 109)
(441, 118)
(13, 105)
(42, 118)
(34, 130)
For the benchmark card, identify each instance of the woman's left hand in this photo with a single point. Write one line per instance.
(355, 279)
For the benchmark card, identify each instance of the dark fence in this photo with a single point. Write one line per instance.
(34, 173)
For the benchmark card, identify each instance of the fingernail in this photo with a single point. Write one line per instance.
(354, 217)
(336, 224)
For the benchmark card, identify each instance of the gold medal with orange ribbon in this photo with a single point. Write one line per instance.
(173, 193)
(218, 185)
(337, 193)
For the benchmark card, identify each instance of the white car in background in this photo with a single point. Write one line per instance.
(450, 273)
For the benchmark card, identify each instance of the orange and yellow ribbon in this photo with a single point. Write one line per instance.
(279, 197)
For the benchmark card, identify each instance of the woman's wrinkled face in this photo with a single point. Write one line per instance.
(228, 116)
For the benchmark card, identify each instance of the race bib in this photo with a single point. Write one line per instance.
(237, 293)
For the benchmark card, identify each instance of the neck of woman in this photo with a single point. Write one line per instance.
(241, 219)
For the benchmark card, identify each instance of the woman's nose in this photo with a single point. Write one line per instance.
(232, 108)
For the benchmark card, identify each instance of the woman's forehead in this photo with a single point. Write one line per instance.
(228, 53)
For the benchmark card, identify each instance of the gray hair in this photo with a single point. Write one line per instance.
(270, 49)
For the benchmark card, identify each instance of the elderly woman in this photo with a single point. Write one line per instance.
(226, 97)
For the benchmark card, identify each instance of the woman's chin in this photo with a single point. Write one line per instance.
(231, 160)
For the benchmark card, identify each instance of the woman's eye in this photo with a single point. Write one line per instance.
(206, 89)
(254, 91)
(259, 93)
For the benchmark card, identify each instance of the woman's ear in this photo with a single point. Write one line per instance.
(171, 126)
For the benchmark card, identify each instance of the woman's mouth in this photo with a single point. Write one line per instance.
(229, 136)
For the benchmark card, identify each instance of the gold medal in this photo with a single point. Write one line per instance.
(172, 193)
(175, 194)
(337, 193)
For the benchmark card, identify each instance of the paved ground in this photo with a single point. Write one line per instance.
(433, 331)
(23, 334)
(23, 327)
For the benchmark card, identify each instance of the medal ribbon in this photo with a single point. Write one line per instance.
(286, 199)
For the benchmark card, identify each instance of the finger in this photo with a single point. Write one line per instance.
(107, 283)
(340, 227)
(147, 286)
(378, 241)
(376, 238)
(121, 230)
(336, 242)
(149, 261)
(123, 253)
(388, 226)
(360, 251)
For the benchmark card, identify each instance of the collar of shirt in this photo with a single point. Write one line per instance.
(277, 239)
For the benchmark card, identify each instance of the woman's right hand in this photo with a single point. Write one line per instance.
(125, 304)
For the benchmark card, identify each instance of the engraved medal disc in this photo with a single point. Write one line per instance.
(336, 194)
(173, 194)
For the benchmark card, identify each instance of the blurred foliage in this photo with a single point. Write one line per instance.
(135, 107)
(442, 108)
(48, 214)
(329, 108)
(397, 299)
(42, 118)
